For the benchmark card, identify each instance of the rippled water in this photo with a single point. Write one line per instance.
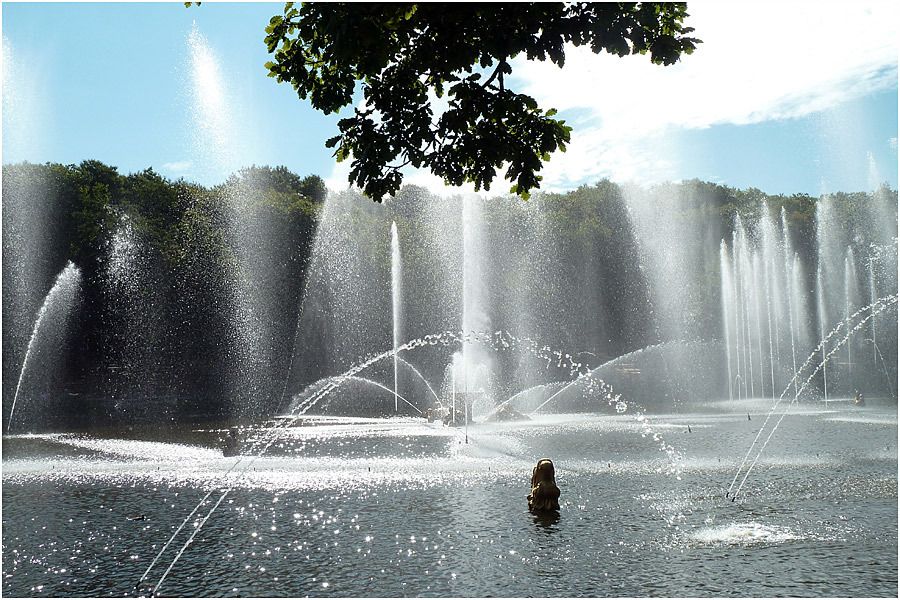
(399, 507)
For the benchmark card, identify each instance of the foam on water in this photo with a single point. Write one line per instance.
(135, 449)
(277, 473)
(866, 419)
(745, 534)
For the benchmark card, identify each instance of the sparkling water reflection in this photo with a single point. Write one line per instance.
(398, 507)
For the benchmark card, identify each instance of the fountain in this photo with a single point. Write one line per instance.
(616, 420)
(761, 293)
(853, 324)
(34, 245)
(619, 319)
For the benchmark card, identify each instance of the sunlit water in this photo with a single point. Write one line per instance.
(399, 507)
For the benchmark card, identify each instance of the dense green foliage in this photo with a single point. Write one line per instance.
(405, 54)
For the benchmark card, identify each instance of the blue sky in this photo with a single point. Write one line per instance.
(185, 91)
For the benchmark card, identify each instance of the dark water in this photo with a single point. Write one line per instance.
(394, 508)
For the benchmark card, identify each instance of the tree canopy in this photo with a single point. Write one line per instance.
(405, 55)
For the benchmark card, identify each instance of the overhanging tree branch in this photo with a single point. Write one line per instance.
(401, 51)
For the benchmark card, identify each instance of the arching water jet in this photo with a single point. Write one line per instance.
(51, 325)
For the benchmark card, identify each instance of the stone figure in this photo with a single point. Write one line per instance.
(544, 494)
(232, 445)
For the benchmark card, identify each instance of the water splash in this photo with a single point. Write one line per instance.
(744, 534)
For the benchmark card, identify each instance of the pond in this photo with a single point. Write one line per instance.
(399, 507)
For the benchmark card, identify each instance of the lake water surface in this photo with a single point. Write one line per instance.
(403, 508)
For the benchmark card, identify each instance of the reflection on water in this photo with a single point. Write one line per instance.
(546, 521)
(397, 507)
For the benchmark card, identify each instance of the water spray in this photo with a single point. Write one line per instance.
(446, 339)
(880, 305)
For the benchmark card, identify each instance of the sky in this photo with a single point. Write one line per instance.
(788, 97)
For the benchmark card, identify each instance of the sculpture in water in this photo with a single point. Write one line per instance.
(232, 444)
(544, 494)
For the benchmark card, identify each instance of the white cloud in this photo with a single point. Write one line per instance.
(178, 166)
(758, 62)
(892, 142)
(337, 180)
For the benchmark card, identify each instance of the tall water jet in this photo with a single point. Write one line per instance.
(850, 301)
(742, 252)
(212, 126)
(726, 295)
(758, 318)
(678, 253)
(823, 319)
(346, 306)
(250, 304)
(738, 322)
(767, 281)
(460, 368)
(50, 329)
(475, 361)
(801, 305)
(453, 388)
(35, 234)
(872, 296)
(137, 315)
(25, 112)
(770, 241)
(395, 301)
(789, 280)
(457, 380)
(831, 242)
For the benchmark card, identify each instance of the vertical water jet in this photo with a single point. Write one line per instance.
(823, 319)
(850, 299)
(219, 143)
(788, 270)
(476, 363)
(725, 293)
(395, 301)
(872, 296)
